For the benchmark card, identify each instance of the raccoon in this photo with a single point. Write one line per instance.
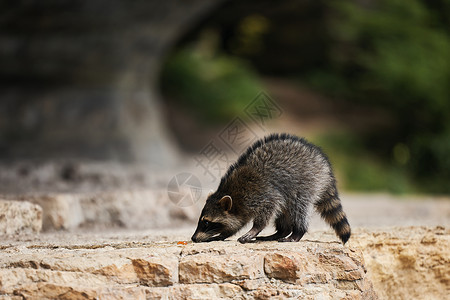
(281, 176)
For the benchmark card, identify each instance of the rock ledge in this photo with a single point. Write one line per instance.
(168, 270)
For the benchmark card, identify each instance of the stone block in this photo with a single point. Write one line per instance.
(18, 217)
(204, 268)
(287, 266)
(60, 211)
(156, 271)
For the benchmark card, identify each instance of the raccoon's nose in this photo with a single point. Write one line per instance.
(194, 239)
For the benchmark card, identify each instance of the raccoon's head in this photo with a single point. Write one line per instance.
(216, 221)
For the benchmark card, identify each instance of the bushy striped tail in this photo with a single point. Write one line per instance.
(331, 211)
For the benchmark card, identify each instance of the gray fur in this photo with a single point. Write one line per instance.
(280, 176)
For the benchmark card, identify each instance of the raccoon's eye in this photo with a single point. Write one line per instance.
(206, 223)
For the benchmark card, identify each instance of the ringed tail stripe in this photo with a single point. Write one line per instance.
(328, 205)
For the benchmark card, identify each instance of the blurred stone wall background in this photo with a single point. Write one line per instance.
(78, 78)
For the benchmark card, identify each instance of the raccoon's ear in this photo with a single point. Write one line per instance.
(226, 203)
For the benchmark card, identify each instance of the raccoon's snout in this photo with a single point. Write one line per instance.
(200, 237)
(197, 237)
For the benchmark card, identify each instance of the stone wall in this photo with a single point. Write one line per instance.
(77, 78)
(400, 263)
(169, 270)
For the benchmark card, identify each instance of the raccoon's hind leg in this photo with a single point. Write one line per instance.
(296, 235)
(299, 217)
(283, 227)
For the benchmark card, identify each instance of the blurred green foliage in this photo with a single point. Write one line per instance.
(360, 170)
(214, 86)
(395, 54)
(391, 54)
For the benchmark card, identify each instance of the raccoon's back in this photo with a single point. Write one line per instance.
(286, 154)
(283, 160)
